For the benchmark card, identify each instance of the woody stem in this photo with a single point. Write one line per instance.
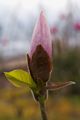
(43, 110)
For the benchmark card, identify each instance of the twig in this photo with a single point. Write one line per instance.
(43, 111)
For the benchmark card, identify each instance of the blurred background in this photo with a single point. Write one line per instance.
(17, 20)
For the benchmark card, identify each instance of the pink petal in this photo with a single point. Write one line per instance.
(41, 36)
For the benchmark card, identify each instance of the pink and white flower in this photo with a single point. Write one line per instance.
(39, 57)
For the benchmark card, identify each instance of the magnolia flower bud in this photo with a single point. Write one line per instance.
(39, 57)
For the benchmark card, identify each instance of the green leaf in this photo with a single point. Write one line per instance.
(20, 78)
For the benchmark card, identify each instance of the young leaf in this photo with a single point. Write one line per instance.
(19, 78)
(59, 85)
